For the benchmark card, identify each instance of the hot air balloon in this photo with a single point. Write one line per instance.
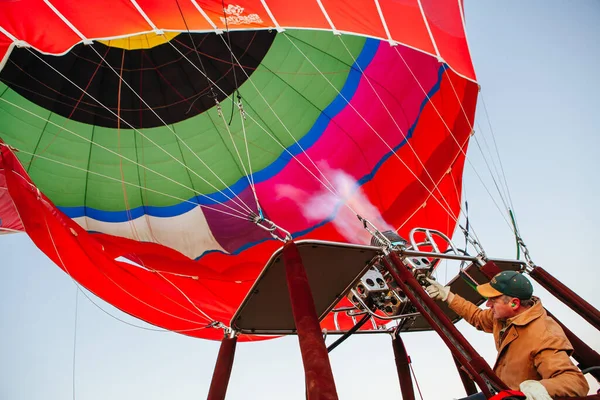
(161, 153)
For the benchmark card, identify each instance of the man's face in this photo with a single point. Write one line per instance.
(500, 307)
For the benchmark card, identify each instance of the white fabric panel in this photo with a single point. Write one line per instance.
(188, 233)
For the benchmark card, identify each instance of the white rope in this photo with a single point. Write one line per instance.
(327, 17)
(437, 52)
(206, 17)
(125, 158)
(477, 141)
(242, 206)
(248, 175)
(384, 23)
(270, 14)
(174, 134)
(451, 133)
(331, 187)
(497, 150)
(372, 129)
(120, 287)
(447, 207)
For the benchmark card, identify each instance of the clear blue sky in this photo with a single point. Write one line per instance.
(537, 64)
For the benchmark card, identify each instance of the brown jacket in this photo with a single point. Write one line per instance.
(532, 347)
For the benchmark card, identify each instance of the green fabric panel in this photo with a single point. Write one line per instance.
(293, 91)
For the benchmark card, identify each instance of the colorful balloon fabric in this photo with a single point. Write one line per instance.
(143, 143)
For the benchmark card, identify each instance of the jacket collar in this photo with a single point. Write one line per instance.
(536, 311)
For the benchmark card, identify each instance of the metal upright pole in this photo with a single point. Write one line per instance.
(567, 296)
(468, 357)
(223, 367)
(317, 369)
(403, 367)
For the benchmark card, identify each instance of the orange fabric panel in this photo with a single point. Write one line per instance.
(166, 15)
(299, 13)
(42, 29)
(406, 24)
(447, 28)
(102, 18)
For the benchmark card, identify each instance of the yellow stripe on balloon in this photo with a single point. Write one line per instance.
(143, 41)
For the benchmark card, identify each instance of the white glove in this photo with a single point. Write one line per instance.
(534, 390)
(437, 291)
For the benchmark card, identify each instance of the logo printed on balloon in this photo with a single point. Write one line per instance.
(235, 17)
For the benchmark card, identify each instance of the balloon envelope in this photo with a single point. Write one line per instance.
(140, 163)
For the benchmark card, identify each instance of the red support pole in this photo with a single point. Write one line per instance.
(567, 296)
(468, 383)
(220, 378)
(317, 369)
(403, 367)
(461, 349)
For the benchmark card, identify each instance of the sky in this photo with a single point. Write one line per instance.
(537, 63)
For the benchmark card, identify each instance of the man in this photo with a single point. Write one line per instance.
(533, 351)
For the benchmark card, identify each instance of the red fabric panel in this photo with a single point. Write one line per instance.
(35, 23)
(447, 28)
(406, 25)
(355, 16)
(5, 43)
(102, 18)
(9, 216)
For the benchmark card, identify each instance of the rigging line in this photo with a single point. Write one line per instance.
(134, 325)
(431, 195)
(125, 197)
(128, 159)
(286, 150)
(252, 185)
(284, 126)
(243, 204)
(129, 183)
(476, 140)
(75, 335)
(452, 135)
(125, 291)
(248, 175)
(497, 150)
(493, 180)
(372, 129)
(272, 110)
(231, 56)
(146, 137)
(487, 147)
(212, 92)
(332, 190)
(395, 123)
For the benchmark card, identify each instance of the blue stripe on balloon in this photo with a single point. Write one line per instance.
(365, 178)
(339, 102)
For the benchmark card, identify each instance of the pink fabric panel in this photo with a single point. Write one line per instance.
(348, 143)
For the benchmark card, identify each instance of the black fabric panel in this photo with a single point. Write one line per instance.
(172, 86)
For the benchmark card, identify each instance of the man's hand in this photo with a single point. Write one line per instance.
(534, 390)
(437, 291)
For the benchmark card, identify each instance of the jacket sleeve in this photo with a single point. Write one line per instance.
(559, 375)
(480, 319)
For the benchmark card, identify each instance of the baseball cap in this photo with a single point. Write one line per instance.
(510, 283)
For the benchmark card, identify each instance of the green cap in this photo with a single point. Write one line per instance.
(510, 283)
